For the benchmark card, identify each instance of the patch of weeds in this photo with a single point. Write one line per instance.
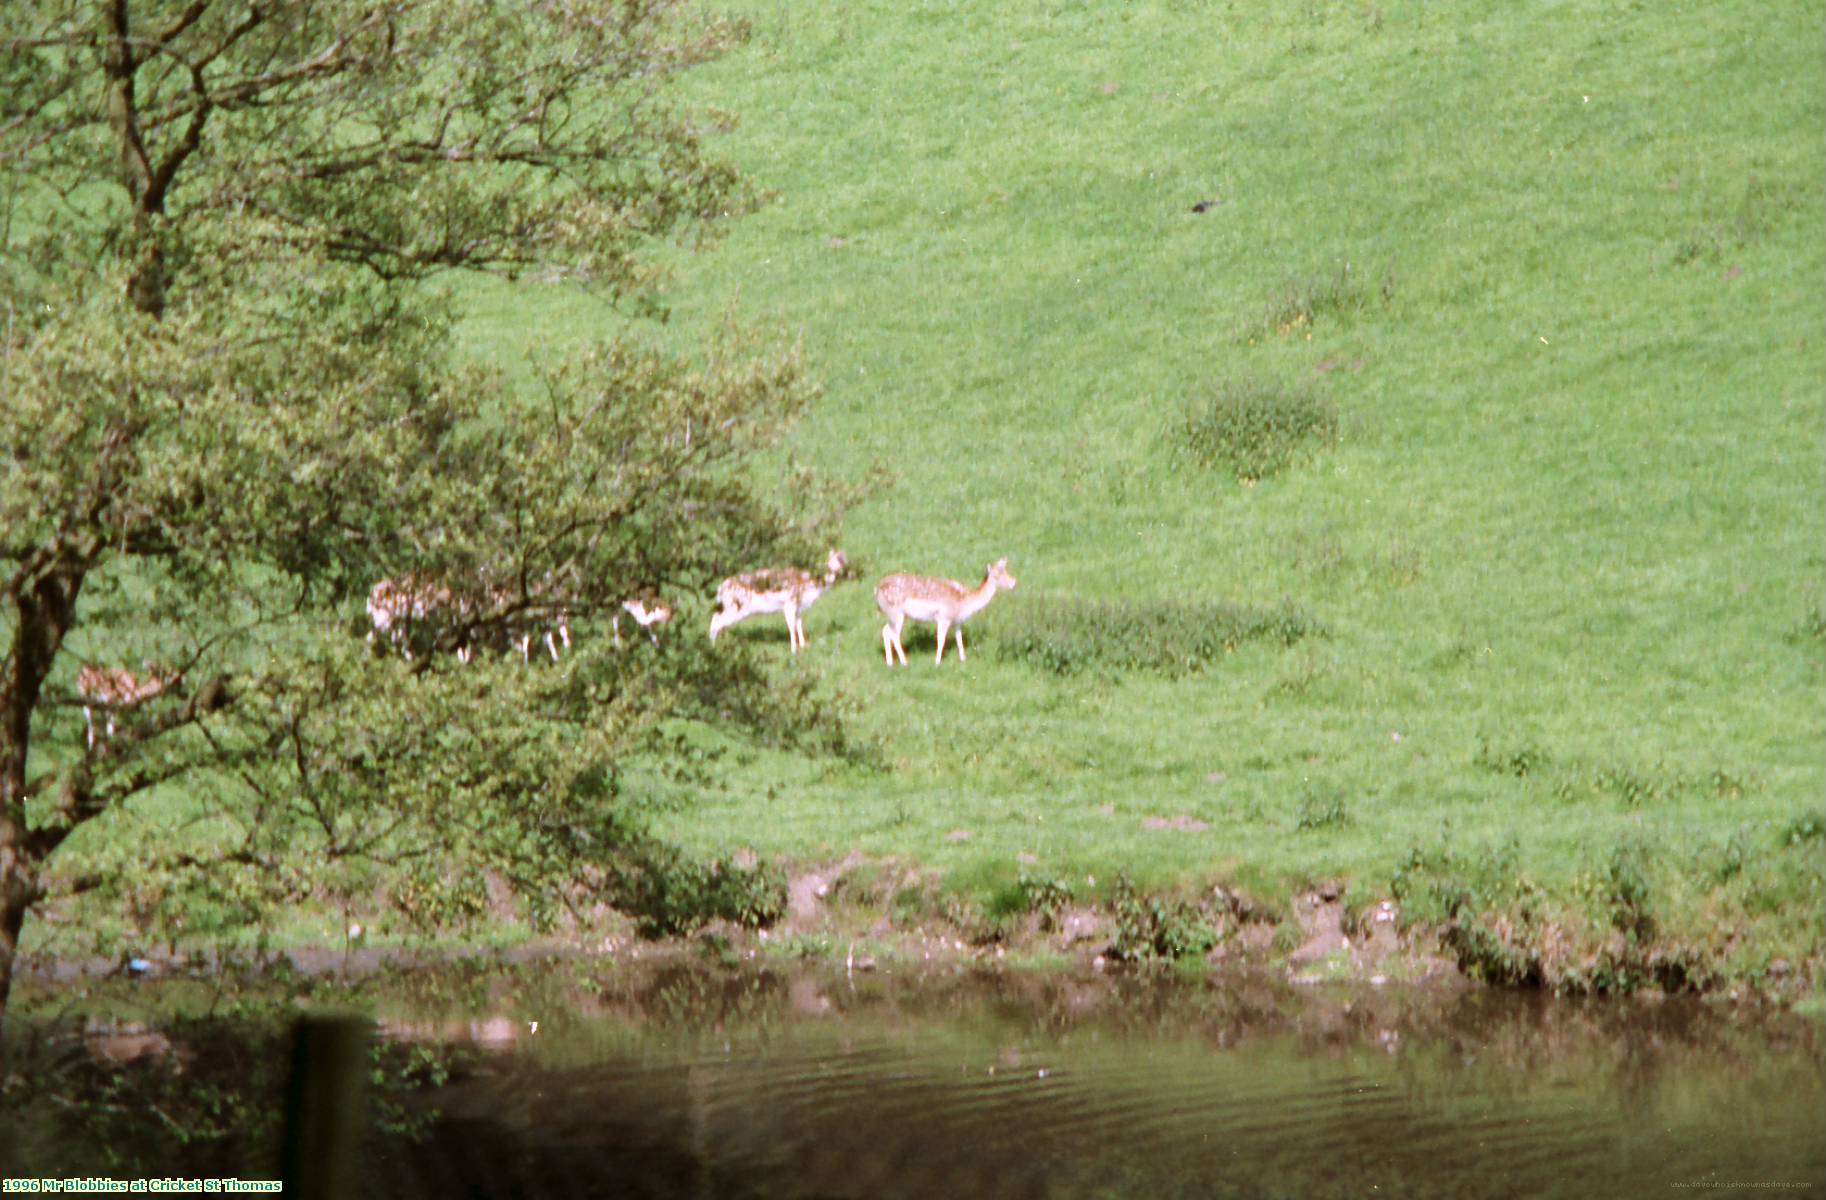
(1638, 787)
(1154, 927)
(1303, 300)
(1438, 884)
(1253, 427)
(1811, 629)
(1044, 895)
(1738, 850)
(977, 926)
(1519, 761)
(806, 945)
(1166, 637)
(1287, 937)
(1808, 827)
(1322, 812)
(1625, 890)
(908, 905)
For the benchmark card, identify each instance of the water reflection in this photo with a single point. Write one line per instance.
(696, 1083)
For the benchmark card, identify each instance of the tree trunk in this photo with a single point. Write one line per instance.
(44, 608)
(18, 892)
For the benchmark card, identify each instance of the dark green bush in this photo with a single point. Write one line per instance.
(1253, 427)
(1068, 636)
(1153, 927)
(668, 894)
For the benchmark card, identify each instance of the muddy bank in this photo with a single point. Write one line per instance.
(860, 915)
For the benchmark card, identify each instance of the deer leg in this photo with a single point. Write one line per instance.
(551, 643)
(944, 631)
(88, 718)
(961, 657)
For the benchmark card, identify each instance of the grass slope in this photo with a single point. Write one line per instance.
(1558, 267)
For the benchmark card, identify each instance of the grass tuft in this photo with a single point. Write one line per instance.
(1068, 636)
(1254, 427)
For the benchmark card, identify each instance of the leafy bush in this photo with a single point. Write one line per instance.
(1253, 427)
(669, 894)
(1152, 927)
(1173, 638)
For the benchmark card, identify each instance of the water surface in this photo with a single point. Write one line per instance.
(765, 1085)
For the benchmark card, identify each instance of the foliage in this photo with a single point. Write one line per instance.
(669, 894)
(1068, 636)
(1253, 427)
(1046, 896)
(1156, 927)
(228, 410)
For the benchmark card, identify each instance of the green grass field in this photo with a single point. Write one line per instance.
(1558, 267)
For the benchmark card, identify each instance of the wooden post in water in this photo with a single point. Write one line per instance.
(323, 1110)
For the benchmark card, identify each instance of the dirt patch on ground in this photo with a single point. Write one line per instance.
(1182, 823)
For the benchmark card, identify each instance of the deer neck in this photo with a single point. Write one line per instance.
(976, 601)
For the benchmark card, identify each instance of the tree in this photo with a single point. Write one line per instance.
(228, 408)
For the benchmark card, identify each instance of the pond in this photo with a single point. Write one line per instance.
(692, 1081)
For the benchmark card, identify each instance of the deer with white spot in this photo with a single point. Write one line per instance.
(112, 689)
(785, 590)
(946, 602)
(396, 605)
(648, 611)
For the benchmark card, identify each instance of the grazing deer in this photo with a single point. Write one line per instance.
(785, 590)
(111, 689)
(945, 601)
(647, 611)
(528, 625)
(395, 605)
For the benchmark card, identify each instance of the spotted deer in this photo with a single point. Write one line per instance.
(526, 626)
(396, 605)
(112, 689)
(945, 601)
(648, 611)
(785, 590)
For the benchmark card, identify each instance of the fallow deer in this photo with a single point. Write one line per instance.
(396, 605)
(785, 590)
(648, 611)
(112, 689)
(945, 601)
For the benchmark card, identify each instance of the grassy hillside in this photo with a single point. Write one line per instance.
(1557, 266)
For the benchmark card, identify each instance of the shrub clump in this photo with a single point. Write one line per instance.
(1254, 427)
(668, 894)
(1168, 637)
(1151, 927)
